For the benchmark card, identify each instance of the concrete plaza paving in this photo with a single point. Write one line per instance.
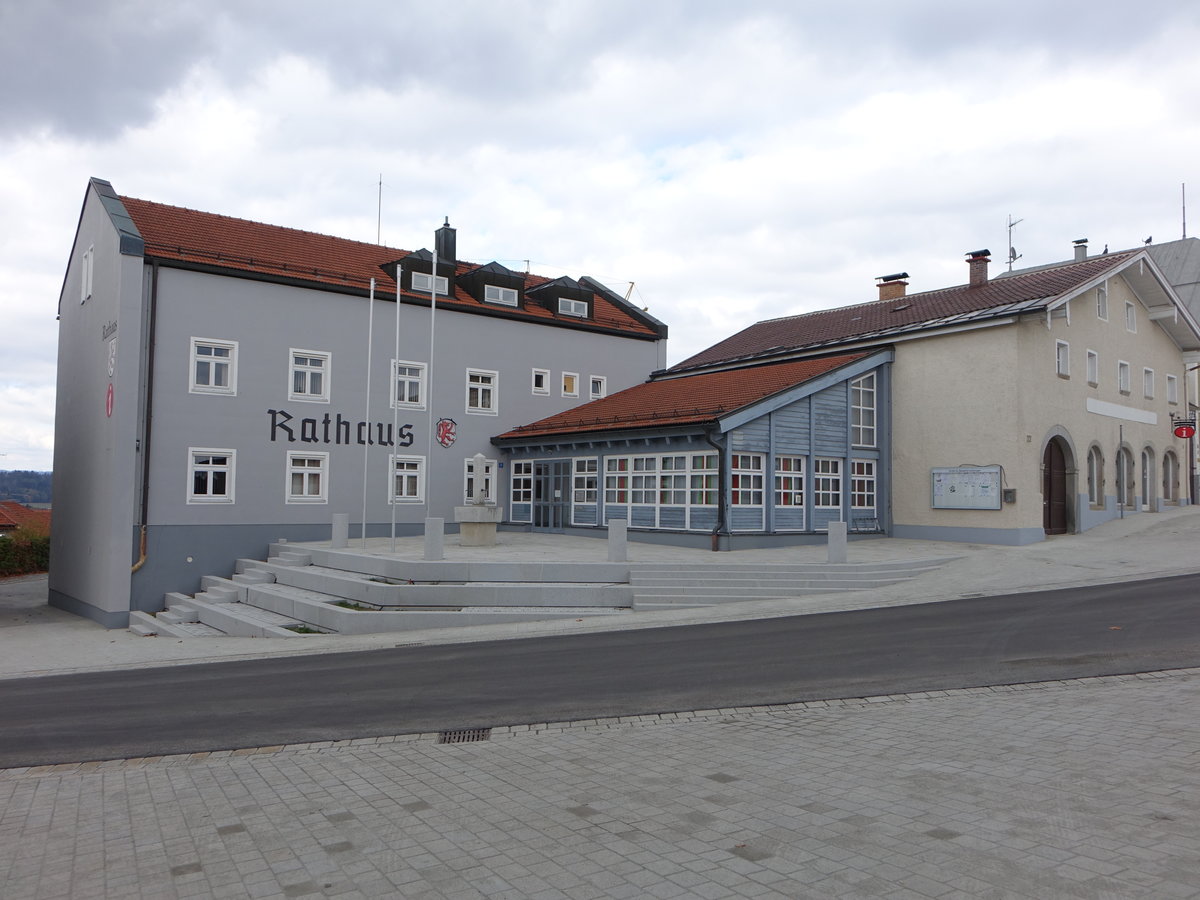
(1080, 789)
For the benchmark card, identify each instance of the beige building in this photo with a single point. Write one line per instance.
(1038, 402)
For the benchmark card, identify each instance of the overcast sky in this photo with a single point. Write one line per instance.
(734, 160)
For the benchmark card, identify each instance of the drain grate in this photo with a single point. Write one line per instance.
(464, 736)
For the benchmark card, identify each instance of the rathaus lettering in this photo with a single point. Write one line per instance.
(336, 430)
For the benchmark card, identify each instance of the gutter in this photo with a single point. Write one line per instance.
(722, 526)
(144, 513)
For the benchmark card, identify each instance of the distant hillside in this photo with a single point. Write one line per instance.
(25, 487)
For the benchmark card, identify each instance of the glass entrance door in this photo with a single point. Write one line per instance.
(551, 494)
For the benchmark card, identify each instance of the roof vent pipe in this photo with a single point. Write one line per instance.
(1080, 249)
(891, 287)
(978, 261)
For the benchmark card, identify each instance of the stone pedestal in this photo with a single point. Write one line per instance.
(435, 533)
(618, 540)
(837, 542)
(341, 531)
(477, 525)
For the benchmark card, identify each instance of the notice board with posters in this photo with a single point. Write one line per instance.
(966, 487)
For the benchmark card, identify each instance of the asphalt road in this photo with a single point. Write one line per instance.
(1099, 630)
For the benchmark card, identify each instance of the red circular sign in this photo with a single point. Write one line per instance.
(1185, 431)
(108, 402)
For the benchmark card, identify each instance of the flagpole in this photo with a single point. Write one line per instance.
(395, 410)
(367, 414)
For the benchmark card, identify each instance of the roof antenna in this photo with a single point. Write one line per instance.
(379, 212)
(1013, 255)
(1183, 203)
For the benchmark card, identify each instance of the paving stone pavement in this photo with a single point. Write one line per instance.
(1080, 789)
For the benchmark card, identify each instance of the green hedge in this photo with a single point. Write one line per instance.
(23, 551)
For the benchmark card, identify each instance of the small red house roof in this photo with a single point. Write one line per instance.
(699, 399)
(881, 319)
(14, 515)
(177, 234)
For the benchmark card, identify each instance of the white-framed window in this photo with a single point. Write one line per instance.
(309, 376)
(569, 307)
(570, 384)
(1062, 359)
(474, 483)
(1102, 302)
(522, 482)
(1170, 470)
(746, 479)
(1172, 389)
(789, 481)
(410, 384)
(1148, 383)
(643, 483)
(616, 479)
(1125, 483)
(598, 387)
(1093, 367)
(541, 381)
(862, 411)
(703, 483)
(307, 477)
(210, 475)
(673, 481)
(1130, 316)
(421, 282)
(407, 479)
(586, 485)
(483, 392)
(862, 484)
(1123, 376)
(1095, 477)
(87, 268)
(493, 293)
(213, 366)
(827, 483)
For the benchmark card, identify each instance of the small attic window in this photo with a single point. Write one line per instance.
(493, 293)
(569, 307)
(422, 282)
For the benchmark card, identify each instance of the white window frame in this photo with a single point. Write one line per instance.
(597, 386)
(195, 358)
(426, 279)
(306, 473)
(505, 296)
(489, 481)
(1062, 359)
(195, 465)
(414, 468)
(746, 480)
(544, 390)
(520, 488)
(703, 479)
(88, 266)
(863, 483)
(307, 370)
(1123, 377)
(1095, 476)
(1093, 367)
(573, 390)
(585, 481)
(489, 389)
(420, 378)
(1130, 316)
(1148, 383)
(827, 481)
(789, 483)
(1102, 301)
(863, 410)
(1172, 389)
(568, 306)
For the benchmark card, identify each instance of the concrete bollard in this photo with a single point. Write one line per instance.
(618, 540)
(837, 542)
(435, 538)
(341, 531)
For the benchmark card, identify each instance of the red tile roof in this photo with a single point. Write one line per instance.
(14, 515)
(690, 400)
(881, 318)
(239, 245)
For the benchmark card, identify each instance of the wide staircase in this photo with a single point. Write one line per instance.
(300, 591)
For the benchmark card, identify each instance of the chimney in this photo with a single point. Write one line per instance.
(1080, 249)
(444, 243)
(978, 261)
(892, 287)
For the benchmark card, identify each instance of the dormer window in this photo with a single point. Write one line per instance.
(493, 293)
(569, 307)
(422, 282)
